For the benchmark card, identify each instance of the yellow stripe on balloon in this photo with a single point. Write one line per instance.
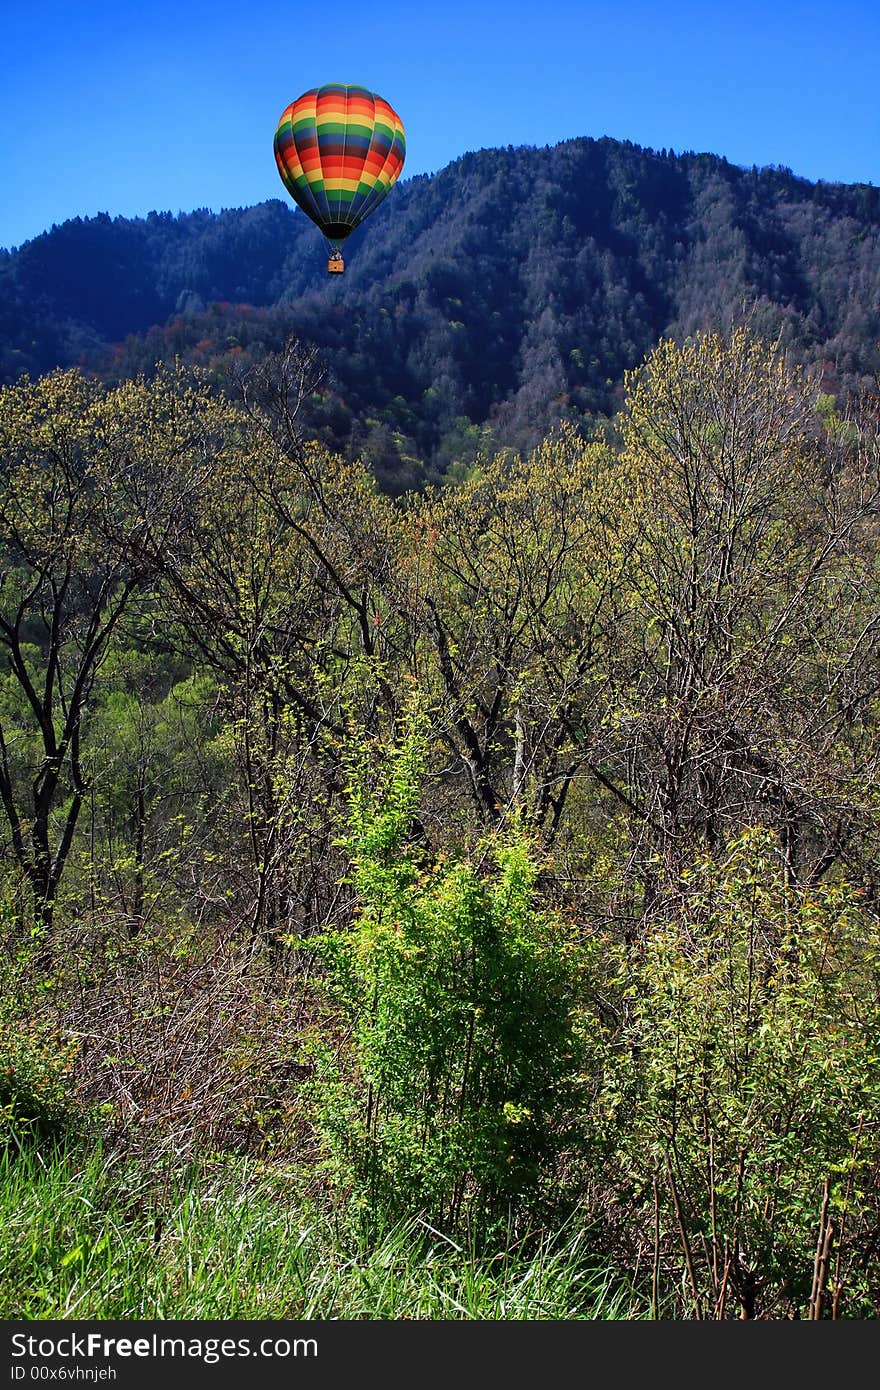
(341, 185)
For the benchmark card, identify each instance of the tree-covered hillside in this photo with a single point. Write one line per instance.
(492, 870)
(513, 288)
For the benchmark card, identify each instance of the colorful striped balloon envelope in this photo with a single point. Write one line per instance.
(339, 150)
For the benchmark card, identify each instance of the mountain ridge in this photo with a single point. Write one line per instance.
(511, 288)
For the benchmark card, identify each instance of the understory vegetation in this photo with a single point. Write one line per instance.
(457, 905)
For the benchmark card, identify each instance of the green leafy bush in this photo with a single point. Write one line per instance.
(454, 1086)
(745, 1105)
(36, 1101)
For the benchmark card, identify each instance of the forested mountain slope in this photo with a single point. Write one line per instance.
(479, 304)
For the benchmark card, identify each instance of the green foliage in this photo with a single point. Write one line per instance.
(37, 1105)
(458, 1087)
(748, 1079)
(629, 651)
(86, 1236)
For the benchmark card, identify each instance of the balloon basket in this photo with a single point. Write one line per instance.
(336, 265)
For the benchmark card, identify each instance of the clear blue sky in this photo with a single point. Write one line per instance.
(125, 107)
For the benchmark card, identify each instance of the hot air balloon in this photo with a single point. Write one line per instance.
(339, 150)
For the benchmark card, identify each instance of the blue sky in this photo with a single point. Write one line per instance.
(124, 107)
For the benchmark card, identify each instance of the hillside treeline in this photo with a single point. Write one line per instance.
(509, 851)
(480, 305)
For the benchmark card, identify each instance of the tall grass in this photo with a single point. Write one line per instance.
(85, 1236)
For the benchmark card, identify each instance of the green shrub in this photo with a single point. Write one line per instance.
(745, 1107)
(36, 1058)
(457, 995)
